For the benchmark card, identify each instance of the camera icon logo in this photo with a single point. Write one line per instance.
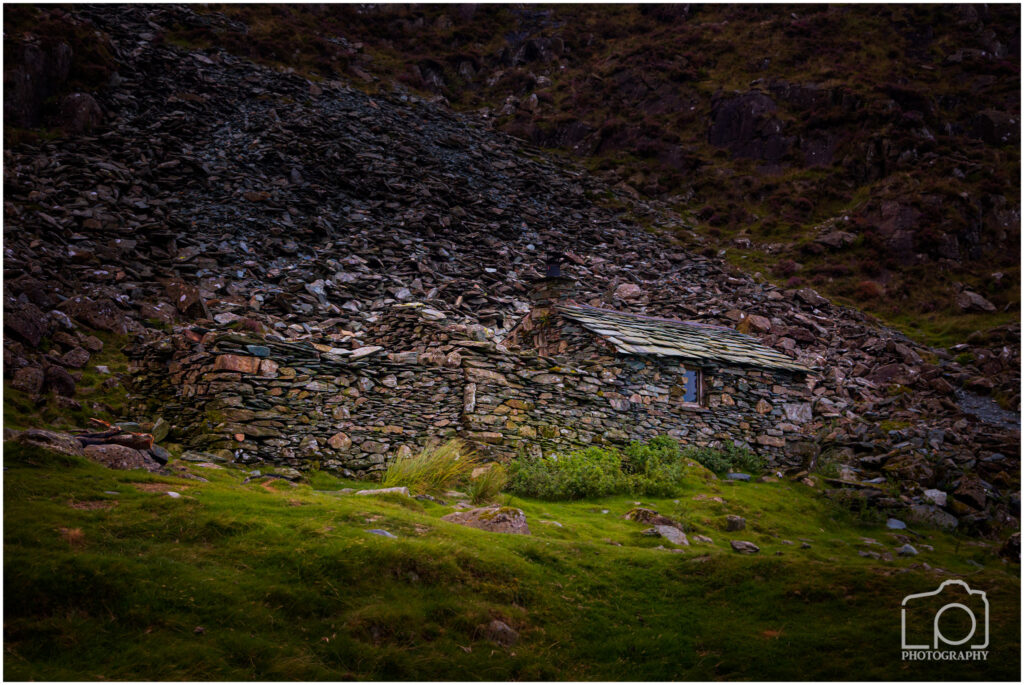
(964, 615)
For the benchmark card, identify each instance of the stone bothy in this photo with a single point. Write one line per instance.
(566, 376)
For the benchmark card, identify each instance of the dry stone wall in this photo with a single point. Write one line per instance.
(304, 404)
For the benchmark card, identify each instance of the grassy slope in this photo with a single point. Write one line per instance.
(286, 584)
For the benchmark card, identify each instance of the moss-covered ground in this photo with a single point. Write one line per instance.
(108, 577)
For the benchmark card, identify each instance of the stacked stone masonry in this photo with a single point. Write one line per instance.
(304, 404)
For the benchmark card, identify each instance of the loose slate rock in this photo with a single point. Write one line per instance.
(895, 524)
(734, 523)
(501, 633)
(404, 491)
(672, 534)
(744, 547)
(738, 476)
(382, 533)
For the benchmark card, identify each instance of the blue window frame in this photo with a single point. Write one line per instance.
(691, 382)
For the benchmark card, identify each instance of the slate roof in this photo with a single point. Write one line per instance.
(648, 335)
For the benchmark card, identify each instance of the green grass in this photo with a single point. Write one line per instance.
(285, 583)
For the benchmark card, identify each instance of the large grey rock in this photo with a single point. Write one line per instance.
(492, 519)
(51, 440)
(936, 497)
(973, 302)
(120, 457)
(933, 516)
(670, 533)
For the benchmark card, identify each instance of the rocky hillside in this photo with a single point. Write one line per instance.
(871, 154)
(198, 187)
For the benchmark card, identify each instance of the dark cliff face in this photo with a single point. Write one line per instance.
(767, 128)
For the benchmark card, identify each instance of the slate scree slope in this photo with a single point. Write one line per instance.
(311, 275)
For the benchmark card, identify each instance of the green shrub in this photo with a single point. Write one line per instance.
(487, 485)
(730, 457)
(593, 472)
(434, 469)
(711, 459)
(653, 469)
(644, 457)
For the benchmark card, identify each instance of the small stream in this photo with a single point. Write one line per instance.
(986, 409)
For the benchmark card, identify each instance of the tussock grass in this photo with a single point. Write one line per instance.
(488, 485)
(434, 469)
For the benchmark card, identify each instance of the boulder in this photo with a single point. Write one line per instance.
(27, 323)
(670, 533)
(760, 324)
(648, 516)
(936, 497)
(837, 239)
(57, 378)
(75, 358)
(972, 491)
(811, 297)
(80, 113)
(29, 380)
(932, 516)
(51, 440)
(629, 292)
(500, 633)
(734, 523)
(973, 302)
(120, 457)
(102, 314)
(911, 466)
(492, 519)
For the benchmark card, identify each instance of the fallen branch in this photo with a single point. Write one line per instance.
(115, 435)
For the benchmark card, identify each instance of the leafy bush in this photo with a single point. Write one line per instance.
(434, 469)
(593, 472)
(730, 457)
(711, 459)
(653, 469)
(487, 485)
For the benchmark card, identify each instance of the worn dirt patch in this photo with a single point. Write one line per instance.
(157, 487)
(93, 504)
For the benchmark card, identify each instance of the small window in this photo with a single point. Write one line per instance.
(689, 386)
